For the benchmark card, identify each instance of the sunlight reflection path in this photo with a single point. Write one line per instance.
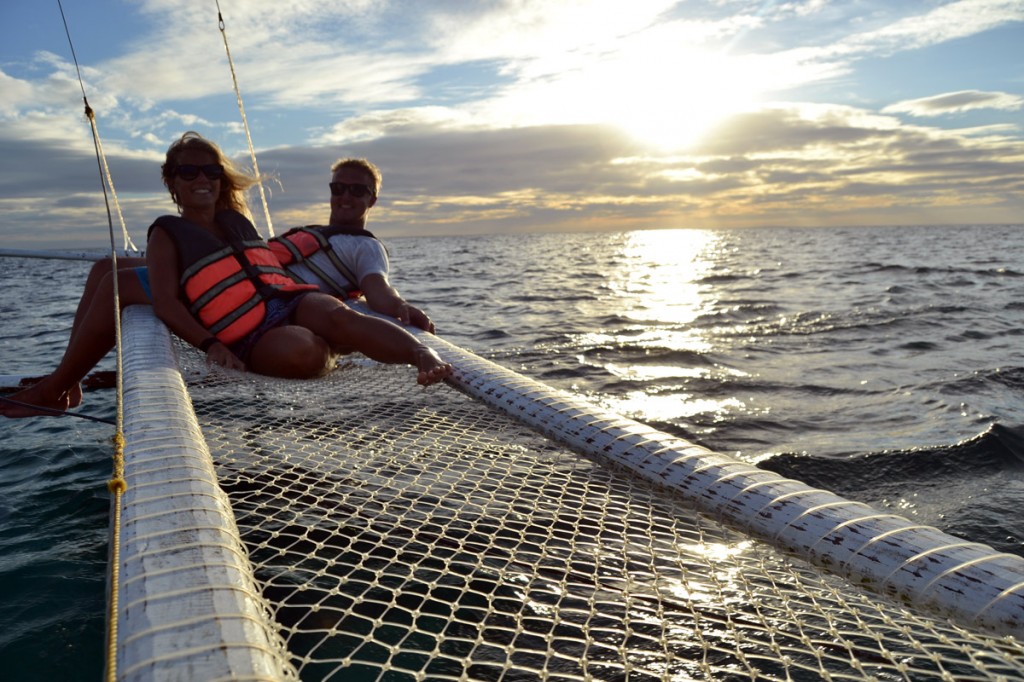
(663, 275)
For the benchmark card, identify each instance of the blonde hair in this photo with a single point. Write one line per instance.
(365, 166)
(233, 184)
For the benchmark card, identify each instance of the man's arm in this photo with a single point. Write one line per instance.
(383, 298)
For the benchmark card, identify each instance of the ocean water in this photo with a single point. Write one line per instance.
(885, 364)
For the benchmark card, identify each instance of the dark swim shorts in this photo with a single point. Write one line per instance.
(279, 312)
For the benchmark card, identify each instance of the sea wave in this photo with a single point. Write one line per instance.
(971, 488)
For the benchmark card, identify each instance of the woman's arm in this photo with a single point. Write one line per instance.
(162, 261)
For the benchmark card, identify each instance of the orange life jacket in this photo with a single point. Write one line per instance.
(227, 284)
(298, 244)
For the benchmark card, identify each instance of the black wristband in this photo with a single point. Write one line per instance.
(207, 342)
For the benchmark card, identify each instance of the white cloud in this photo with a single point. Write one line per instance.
(943, 23)
(957, 102)
(395, 122)
(535, 30)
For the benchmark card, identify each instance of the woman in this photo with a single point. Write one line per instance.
(295, 336)
(243, 309)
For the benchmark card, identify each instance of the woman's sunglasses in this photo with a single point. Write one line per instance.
(354, 188)
(188, 171)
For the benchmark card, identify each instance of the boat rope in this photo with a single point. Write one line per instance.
(245, 123)
(129, 246)
(116, 485)
(58, 413)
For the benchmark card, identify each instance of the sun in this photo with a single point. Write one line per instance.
(666, 86)
(675, 94)
(677, 109)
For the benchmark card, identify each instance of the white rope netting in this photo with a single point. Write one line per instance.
(396, 533)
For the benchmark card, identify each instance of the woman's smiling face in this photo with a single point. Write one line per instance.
(201, 192)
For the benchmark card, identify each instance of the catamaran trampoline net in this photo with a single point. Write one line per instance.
(401, 533)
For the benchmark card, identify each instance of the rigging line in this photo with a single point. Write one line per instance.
(129, 246)
(245, 122)
(57, 413)
(116, 484)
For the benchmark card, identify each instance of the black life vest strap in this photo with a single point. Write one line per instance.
(331, 230)
(323, 233)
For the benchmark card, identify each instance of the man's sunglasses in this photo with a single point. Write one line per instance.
(354, 188)
(188, 171)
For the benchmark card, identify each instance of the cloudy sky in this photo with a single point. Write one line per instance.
(524, 115)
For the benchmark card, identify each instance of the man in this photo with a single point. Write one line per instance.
(342, 258)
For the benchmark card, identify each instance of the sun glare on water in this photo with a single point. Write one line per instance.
(660, 285)
(662, 272)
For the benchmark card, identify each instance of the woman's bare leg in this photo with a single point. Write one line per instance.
(100, 269)
(97, 274)
(92, 337)
(345, 329)
(291, 352)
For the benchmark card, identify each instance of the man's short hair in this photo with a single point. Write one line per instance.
(363, 165)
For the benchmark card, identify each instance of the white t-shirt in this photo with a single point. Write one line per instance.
(362, 256)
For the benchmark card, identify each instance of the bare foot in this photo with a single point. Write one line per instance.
(39, 395)
(432, 368)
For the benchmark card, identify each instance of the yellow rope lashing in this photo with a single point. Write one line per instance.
(117, 487)
(117, 484)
